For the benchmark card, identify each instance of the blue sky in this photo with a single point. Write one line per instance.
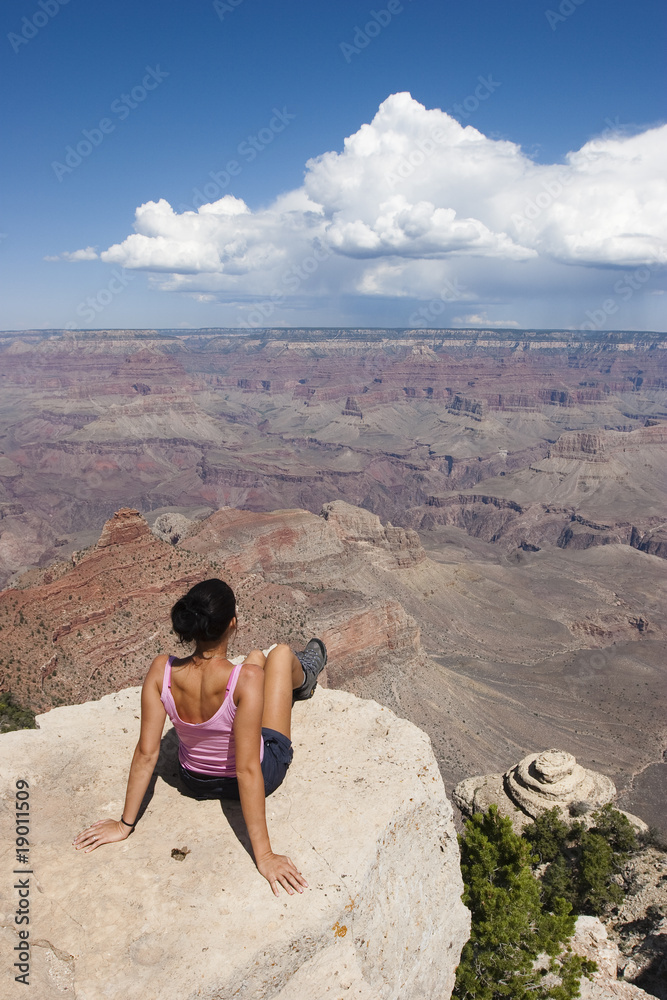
(396, 228)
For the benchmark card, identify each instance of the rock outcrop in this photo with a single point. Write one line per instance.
(654, 541)
(553, 778)
(538, 782)
(341, 552)
(591, 941)
(640, 922)
(476, 794)
(171, 527)
(354, 524)
(125, 526)
(179, 910)
(102, 615)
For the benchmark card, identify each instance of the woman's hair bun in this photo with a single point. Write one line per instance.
(187, 622)
(205, 612)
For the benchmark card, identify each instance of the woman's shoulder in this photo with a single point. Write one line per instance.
(160, 662)
(155, 673)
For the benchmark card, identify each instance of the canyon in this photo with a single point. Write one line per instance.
(531, 436)
(474, 520)
(490, 657)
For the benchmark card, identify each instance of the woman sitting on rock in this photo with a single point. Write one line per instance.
(233, 723)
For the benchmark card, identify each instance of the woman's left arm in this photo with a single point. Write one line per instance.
(147, 750)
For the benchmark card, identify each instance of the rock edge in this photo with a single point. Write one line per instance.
(362, 812)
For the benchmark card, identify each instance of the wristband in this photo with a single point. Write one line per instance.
(131, 825)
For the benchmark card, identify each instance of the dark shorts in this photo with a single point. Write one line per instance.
(277, 758)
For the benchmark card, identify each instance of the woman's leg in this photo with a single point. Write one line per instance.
(282, 673)
(257, 657)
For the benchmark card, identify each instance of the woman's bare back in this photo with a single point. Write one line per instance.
(198, 689)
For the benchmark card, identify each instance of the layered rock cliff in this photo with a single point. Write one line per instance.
(179, 910)
(447, 638)
(91, 624)
(384, 419)
(588, 489)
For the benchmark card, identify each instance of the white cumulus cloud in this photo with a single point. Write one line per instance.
(89, 253)
(410, 194)
(477, 319)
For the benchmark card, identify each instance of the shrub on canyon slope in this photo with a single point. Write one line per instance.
(510, 924)
(583, 864)
(14, 717)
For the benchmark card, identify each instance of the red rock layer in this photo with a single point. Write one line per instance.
(81, 629)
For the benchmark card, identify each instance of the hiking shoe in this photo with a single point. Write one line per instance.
(313, 660)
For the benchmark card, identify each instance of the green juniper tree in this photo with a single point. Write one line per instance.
(582, 864)
(596, 889)
(547, 835)
(558, 883)
(616, 829)
(510, 925)
(13, 716)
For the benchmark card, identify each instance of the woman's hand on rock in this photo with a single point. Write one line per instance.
(104, 831)
(278, 869)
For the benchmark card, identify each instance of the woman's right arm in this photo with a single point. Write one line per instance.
(147, 750)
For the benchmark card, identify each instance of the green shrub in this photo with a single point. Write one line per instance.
(510, 924)
(582, 863)
(596, 890)
(547, 835)
(616, 829)
(653, 837)
(12, 716)
(558, 883)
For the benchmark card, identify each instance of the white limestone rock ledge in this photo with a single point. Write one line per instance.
(362, 813)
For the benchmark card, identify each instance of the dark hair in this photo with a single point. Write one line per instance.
(205, 612)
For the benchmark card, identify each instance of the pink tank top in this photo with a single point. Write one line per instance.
(206, 747)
